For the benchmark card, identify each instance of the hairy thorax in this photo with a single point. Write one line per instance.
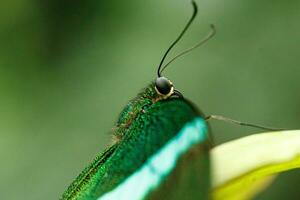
(135, 107)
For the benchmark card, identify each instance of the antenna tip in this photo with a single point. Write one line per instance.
(195, 6)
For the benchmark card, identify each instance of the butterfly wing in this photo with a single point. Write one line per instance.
(78, 186)
(163, 155)
(190, 179)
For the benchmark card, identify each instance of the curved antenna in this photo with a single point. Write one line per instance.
(209, 36)
(179, 37)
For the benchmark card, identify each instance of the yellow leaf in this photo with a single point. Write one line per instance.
(243, 167)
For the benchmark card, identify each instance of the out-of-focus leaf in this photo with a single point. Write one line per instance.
(244, 167)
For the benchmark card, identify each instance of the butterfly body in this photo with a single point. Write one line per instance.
(147, 127)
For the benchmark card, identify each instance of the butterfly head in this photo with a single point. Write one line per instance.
(164, 87)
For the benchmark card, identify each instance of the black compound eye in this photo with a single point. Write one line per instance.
(163, 86)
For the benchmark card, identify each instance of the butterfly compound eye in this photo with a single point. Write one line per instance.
(164, 86)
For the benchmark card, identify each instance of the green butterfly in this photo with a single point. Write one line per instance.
(160, 151)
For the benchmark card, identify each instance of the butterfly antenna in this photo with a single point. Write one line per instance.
(178, 38)
(210, 35)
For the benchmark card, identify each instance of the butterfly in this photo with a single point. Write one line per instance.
(161, 148)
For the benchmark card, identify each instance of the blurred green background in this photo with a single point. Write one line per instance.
(67, 68)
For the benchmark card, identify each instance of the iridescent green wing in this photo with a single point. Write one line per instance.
(190, 179)
(76, 188)
(163, 155)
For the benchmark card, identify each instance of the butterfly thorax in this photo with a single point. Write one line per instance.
(135, 107)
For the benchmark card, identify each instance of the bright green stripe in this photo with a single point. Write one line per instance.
(158, 166)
